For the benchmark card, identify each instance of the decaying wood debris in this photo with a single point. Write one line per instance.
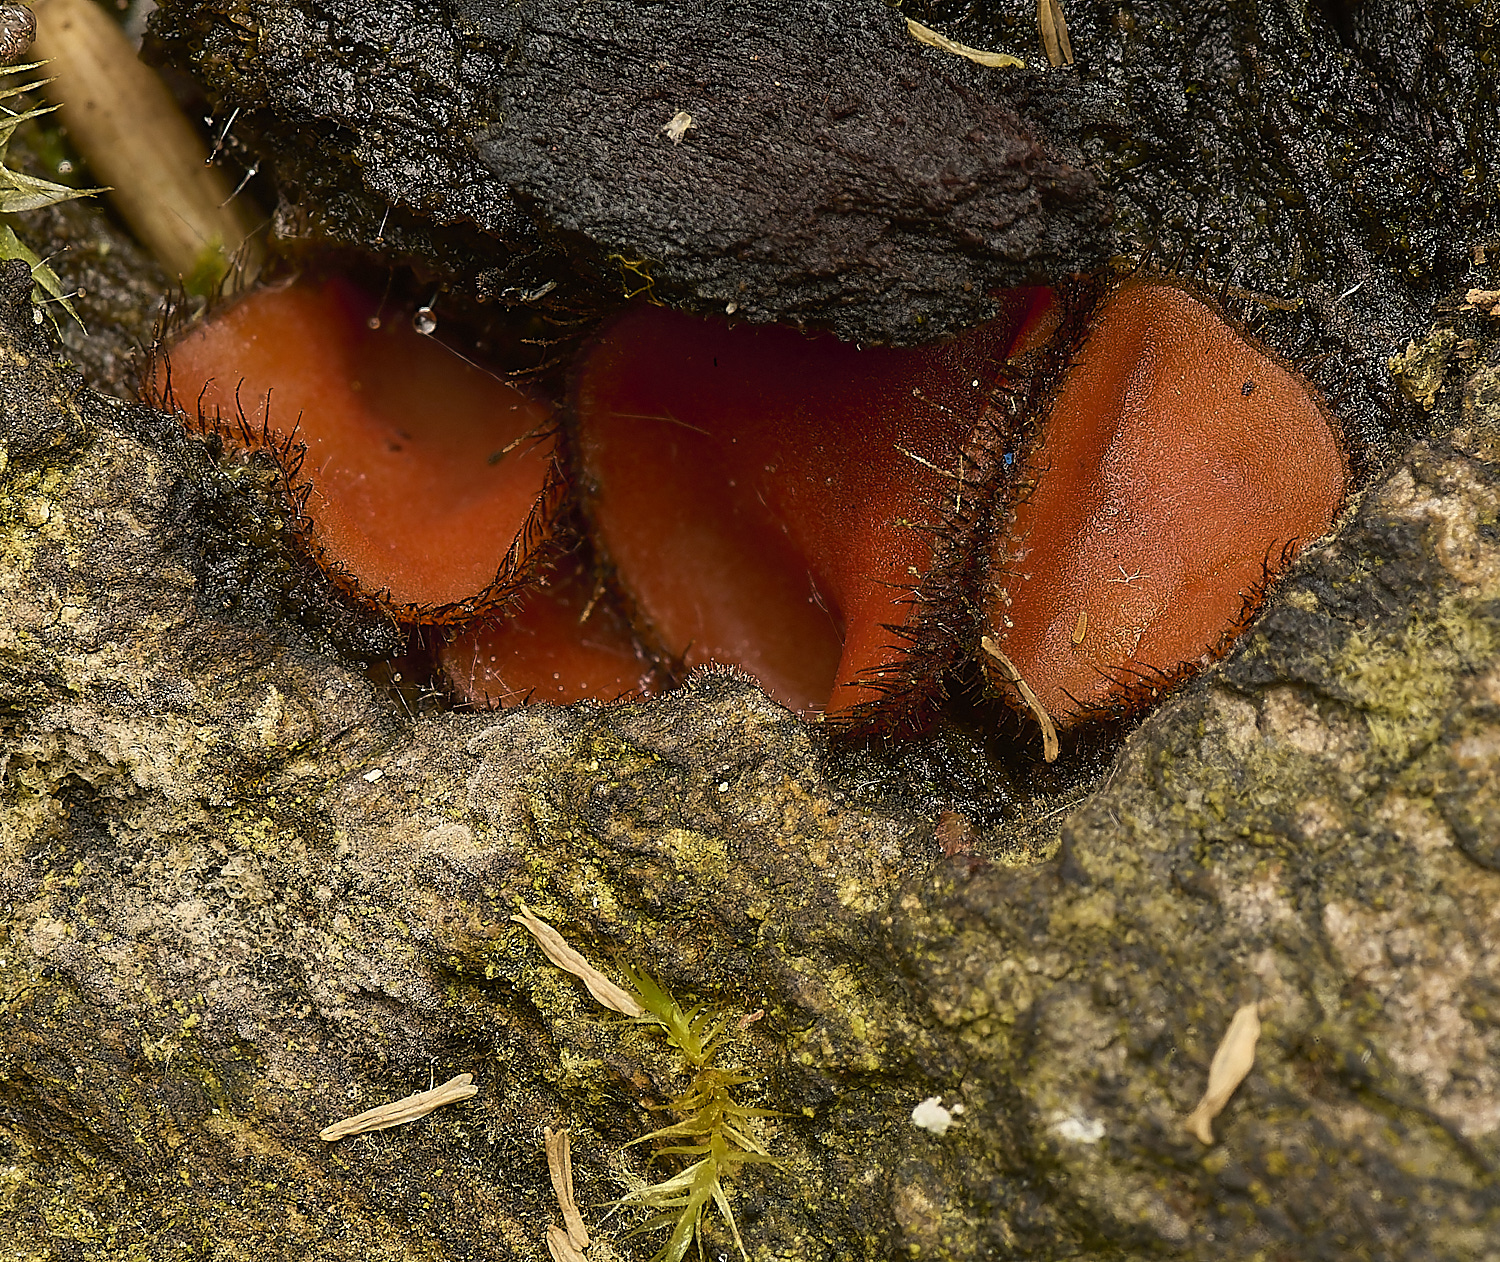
(222, 919)
(217, 920)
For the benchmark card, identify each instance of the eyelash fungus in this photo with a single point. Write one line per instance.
(1179, 467)
(1088, 495)
(398, 447)
(774, 500)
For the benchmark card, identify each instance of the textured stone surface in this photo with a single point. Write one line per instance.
(247, 895)
(836, 173)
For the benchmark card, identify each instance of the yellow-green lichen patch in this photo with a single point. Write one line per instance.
(1421, 369)
(1402, 685)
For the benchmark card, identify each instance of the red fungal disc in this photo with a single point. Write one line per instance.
(1178, 462)
(562, 643)
(430, 478)
(770, 500)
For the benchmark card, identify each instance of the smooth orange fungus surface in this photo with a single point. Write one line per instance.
(1178, 463)
(559, 645)
(769, 499)
(772, 500)
(424, 469)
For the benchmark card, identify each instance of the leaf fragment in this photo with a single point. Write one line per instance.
(1054, 30)
(555, 947)
(926, 35)
(1485, 299)
(1232, 1061)
(407, 1109)
(561, 1248)
(1050, 747)
(560, 1168)
(678, 126)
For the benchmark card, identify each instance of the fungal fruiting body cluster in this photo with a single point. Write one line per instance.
(1095, 487)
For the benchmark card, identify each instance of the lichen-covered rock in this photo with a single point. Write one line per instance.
(1299, 832)
(247, 894)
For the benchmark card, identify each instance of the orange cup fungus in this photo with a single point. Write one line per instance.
(1178, 468)
(429, 480)
(813, 513)
(562, 642)
(772, 499)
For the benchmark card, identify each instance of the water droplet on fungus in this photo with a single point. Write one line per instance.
(404, 503)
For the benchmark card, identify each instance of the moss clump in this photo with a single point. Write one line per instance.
(713, 1137)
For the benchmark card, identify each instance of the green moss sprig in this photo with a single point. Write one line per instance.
(712, 1139)
(20, 192)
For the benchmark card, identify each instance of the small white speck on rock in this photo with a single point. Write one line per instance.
(1077, 1129)
(931, 1116)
